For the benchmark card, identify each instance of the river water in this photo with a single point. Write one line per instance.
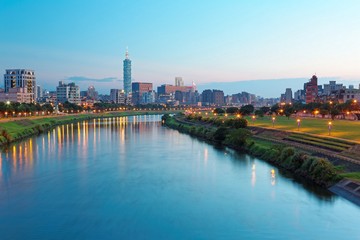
(131, 178)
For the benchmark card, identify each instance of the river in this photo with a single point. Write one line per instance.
(131, 178)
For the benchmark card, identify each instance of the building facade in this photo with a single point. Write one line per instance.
(19, 95)
(311, 90)
(127, 74)
(68, 93)
(218, 96)
(331, 87)
(21, 78)
(117, 96)
(288, 96)
(138, 89)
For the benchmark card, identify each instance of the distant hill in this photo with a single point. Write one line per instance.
(267, 87)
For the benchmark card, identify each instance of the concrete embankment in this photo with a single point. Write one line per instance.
(347, 189)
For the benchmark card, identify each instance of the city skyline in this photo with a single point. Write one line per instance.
(201, 42)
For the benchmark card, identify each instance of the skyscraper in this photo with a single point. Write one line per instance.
(127, 74)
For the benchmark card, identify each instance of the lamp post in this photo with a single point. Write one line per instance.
(253, 119)
(298, 123)
(329, 127)
(273, 121)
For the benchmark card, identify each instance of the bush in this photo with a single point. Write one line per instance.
(238, 137)
(220, 134)
(219, 111)
(240, 123)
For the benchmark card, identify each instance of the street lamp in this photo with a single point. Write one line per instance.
(273, 121)
(329, 127)
(298, 123)
(253, 118)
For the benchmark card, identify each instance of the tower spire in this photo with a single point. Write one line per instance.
(127, 53)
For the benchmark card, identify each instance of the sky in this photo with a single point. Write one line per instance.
(203, 41)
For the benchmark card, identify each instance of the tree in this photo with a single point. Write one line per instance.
(265, 110)
(275, 108)
(247, 109)
(288, 110)
(232, 110)
(220, 134)
(259, 113)
(219, 111)
(238, 137)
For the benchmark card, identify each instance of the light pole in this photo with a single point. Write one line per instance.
(273, 121)
(329, 127)
(298, 123)
(253, 119)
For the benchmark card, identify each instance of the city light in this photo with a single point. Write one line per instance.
(298, 123)
(329, 127)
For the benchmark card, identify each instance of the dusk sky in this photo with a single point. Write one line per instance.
(201, 41)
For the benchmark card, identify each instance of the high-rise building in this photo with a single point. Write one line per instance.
(117, 96)
(127, 74)
(311, 90)
(92, 93)
(39, 92)
(288, 95)
(138, 89)
(179, 81)
(68, 93)
(218, 96)
(21, 78)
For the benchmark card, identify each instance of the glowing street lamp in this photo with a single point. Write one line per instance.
(273, 121)
(298, 123)
(253, 118)
(329, 127)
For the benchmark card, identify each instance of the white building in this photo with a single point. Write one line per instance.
(331, 87)
(179, 81)
(117, 96)
(21, 78)
(351, 94)
(68, 93)
(19, 95)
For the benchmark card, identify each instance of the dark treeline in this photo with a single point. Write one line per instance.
(332, 109)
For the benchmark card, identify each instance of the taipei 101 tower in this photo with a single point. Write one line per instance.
(127, 74)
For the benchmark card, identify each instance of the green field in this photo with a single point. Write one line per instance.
(344, 129)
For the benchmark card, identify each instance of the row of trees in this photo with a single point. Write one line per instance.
(332, 109)
(11, 108)
(15, 109)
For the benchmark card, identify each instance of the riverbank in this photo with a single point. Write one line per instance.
(19, 129)
(301, 163)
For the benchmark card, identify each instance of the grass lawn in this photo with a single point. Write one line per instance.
(340, 128)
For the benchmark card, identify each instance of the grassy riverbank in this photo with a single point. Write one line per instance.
(316, 169)
(15, 130)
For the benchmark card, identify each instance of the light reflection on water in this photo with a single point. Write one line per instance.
(131, 178)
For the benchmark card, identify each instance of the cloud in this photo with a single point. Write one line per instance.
(86, 79)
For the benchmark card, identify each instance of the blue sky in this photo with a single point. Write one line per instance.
(204, 41)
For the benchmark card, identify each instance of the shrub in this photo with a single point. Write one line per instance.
(220, 134)
(238, 137)
(240, 123)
